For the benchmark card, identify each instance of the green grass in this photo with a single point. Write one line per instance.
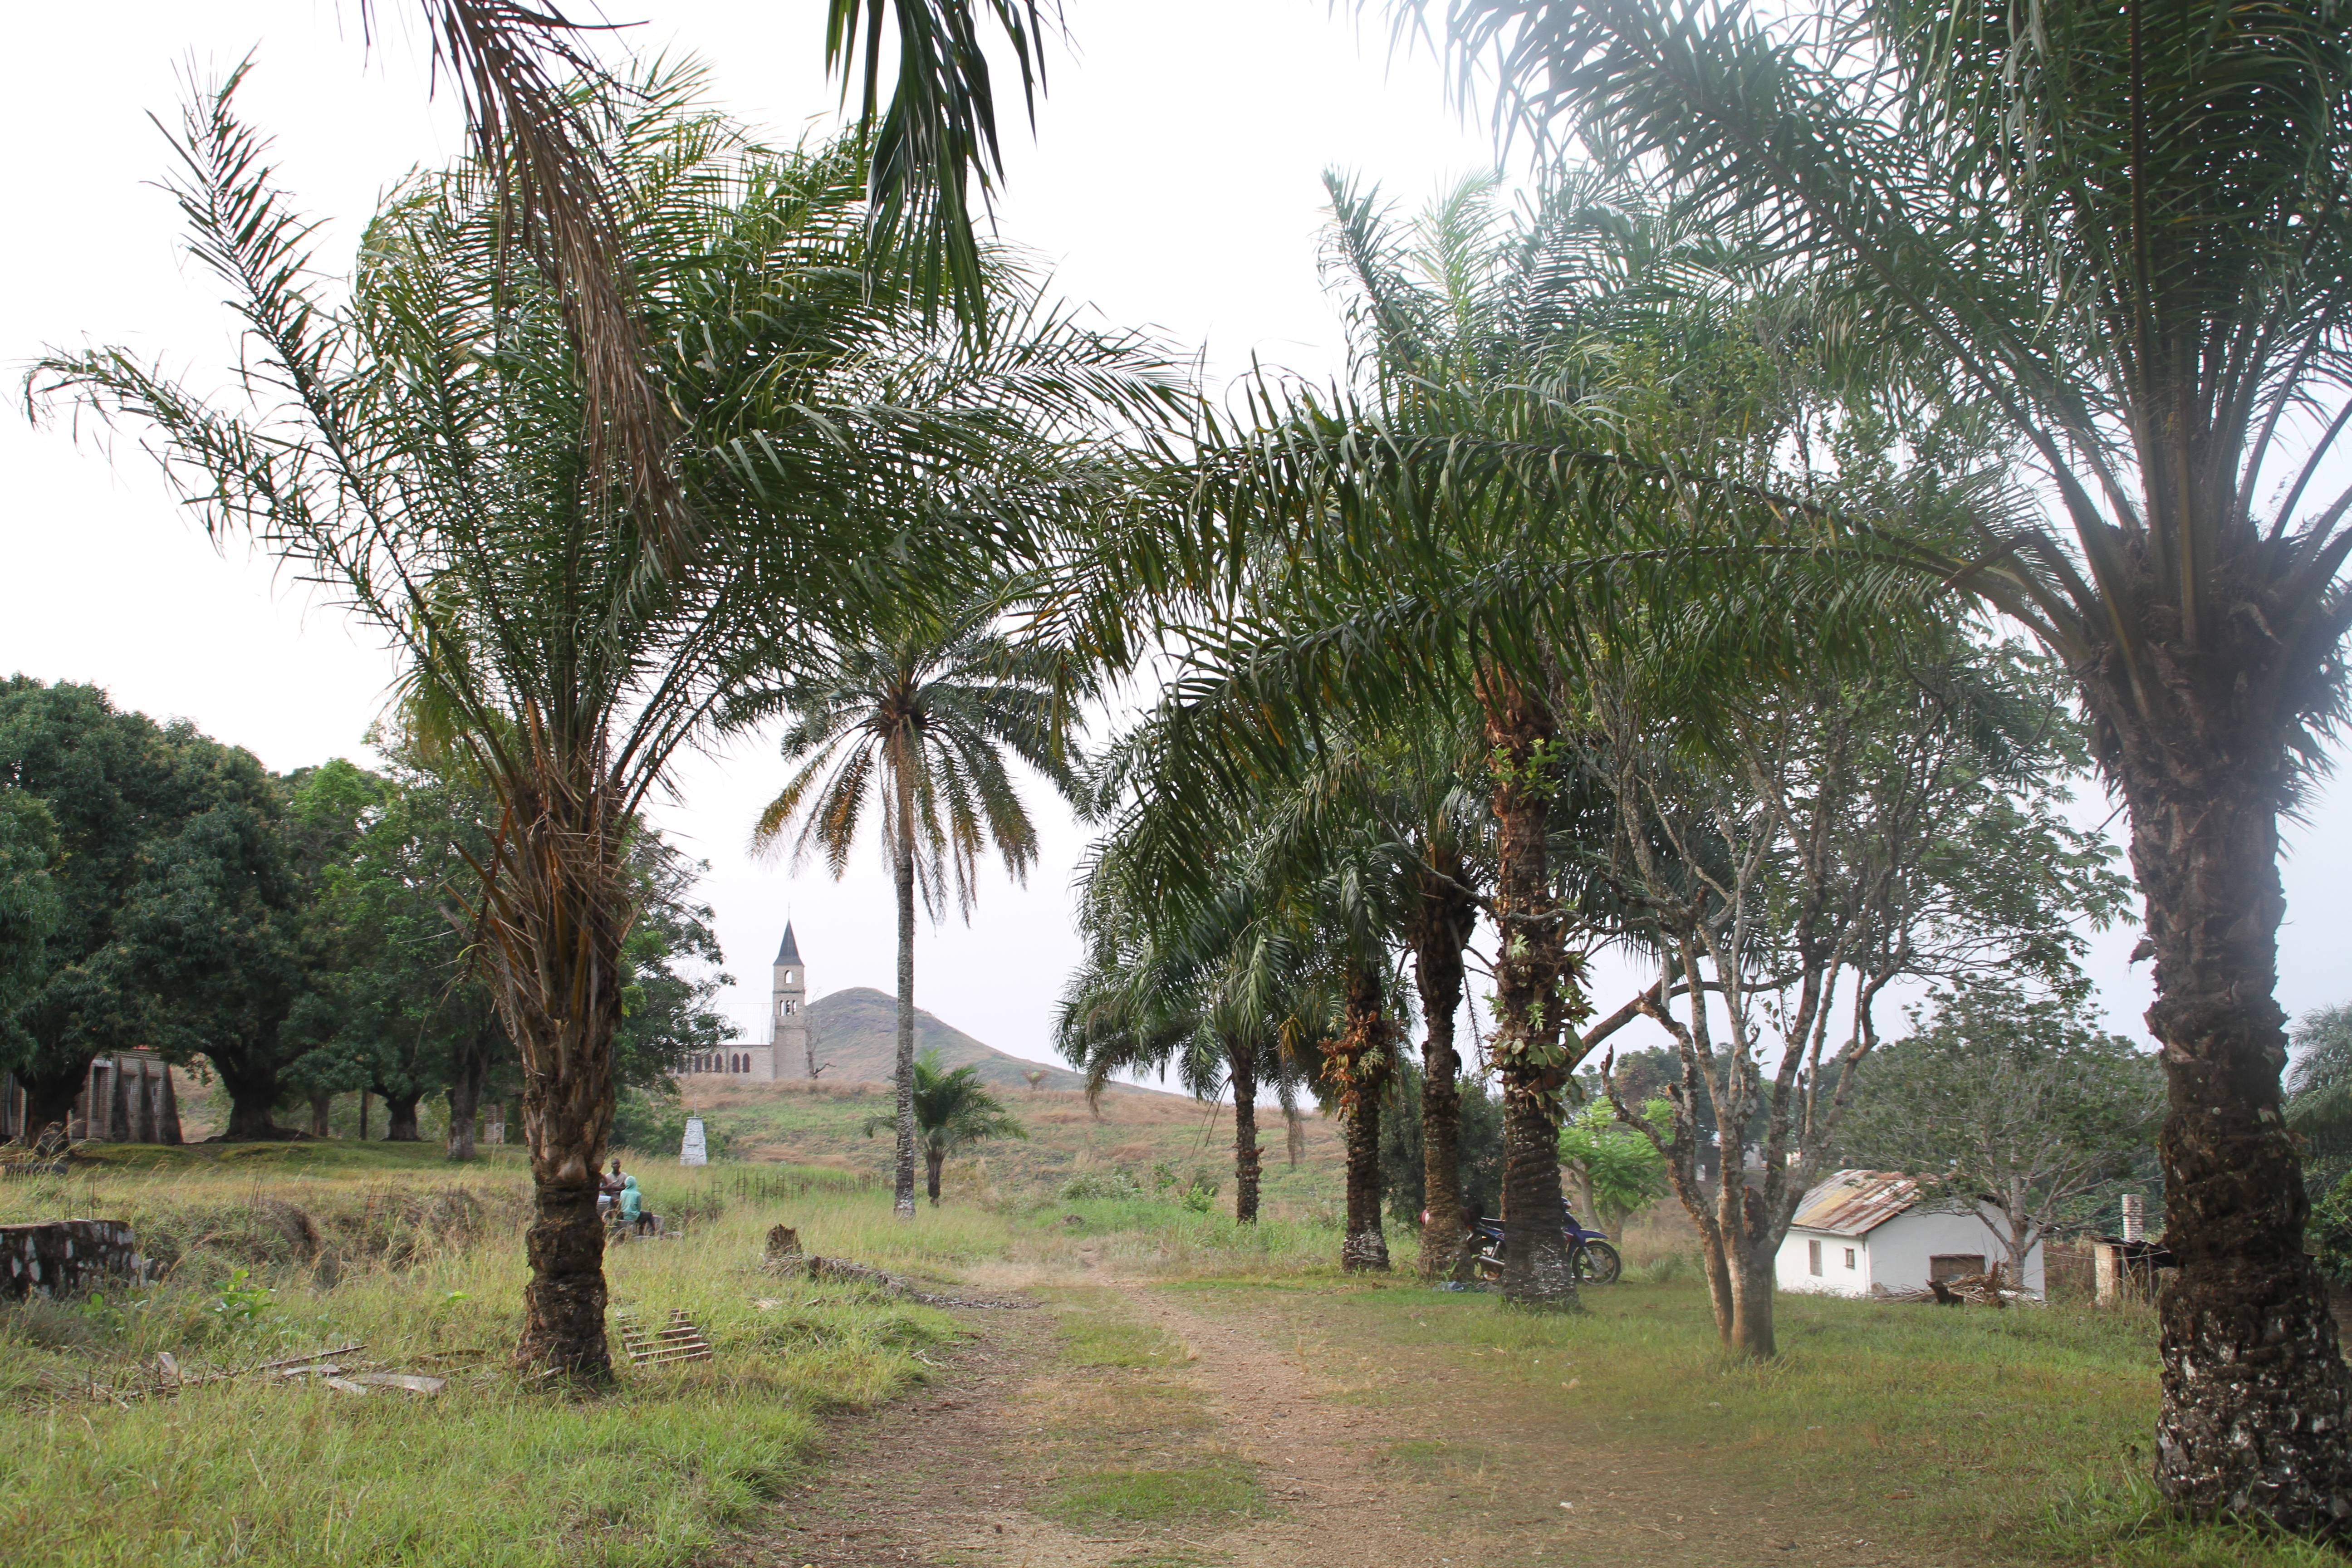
(496, 1470)
(2014, 1437)
(2018, 1434)
(1223, 1488)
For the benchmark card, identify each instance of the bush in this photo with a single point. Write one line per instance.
(2331, 1231)
(1100, 1184)
(652, 1122)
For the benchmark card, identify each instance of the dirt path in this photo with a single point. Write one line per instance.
(1240, 1445)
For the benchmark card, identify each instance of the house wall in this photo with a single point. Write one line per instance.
(1895, 1253)
(1900, 1248)
(1792, 1269)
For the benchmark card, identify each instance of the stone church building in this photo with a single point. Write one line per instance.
(787, 1052)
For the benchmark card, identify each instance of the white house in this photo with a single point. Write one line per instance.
(1864, 1228)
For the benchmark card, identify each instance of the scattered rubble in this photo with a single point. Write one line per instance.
(1983, 1290)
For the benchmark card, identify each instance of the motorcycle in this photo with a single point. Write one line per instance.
(1590, 1253)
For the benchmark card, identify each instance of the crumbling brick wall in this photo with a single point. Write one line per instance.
(68, 1258)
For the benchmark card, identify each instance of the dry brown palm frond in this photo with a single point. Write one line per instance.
(511, 62)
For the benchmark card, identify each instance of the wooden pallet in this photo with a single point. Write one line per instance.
(679, 1340)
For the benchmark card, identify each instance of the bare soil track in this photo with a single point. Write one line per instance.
(976, 1469)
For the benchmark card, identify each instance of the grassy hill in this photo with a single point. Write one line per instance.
(856, 1032)
(823, 1124)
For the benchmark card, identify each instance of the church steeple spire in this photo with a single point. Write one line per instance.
(788, 1020)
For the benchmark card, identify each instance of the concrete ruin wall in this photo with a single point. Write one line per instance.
(68, 1258)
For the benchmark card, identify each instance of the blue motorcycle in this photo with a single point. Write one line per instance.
(1590, 1253)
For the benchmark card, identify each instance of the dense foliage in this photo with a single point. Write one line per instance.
(297, 936)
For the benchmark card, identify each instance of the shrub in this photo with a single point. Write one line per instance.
(1100, 1184)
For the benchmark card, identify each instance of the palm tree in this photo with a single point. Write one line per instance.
(1377, 576)
(2118, 234)
(951, 1109)
(416, 447)
(563, 193)
(1207, 981)
(916, 716)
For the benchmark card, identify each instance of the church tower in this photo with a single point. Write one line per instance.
(788, 1024)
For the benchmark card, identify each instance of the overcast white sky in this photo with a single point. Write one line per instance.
(1174, 181)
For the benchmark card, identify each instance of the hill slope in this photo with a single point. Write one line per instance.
(824, 1123)
(857, 1032)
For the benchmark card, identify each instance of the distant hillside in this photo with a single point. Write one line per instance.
(824, 1123)
(856, 1031)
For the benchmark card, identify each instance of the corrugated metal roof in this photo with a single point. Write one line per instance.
(1853, 1203)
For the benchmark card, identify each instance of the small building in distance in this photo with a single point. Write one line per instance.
(1862, 1230)
(786, 1048)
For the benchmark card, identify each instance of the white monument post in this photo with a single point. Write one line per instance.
(694, 1153)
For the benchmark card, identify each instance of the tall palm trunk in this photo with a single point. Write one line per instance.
(557, 912)
(1530, 970)
(1242, 1068)
(1363, 1061)
(1437, 974)
(2256, 1396)
(904, 868)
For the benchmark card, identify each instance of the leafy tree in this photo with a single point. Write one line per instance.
(1617, 1171)
(217, 928)
(29, 906)
(918, 718)
(1494, 514)
(2011, 1100)
(674, 976)
(2115, 234)
(173, 904)
(951, 1109)
(2319, 1094)
(417, 445)
(1792, 853)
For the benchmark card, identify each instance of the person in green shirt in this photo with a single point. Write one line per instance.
(633, 1212)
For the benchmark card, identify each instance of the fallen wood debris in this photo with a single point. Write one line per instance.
(842, 1271)
(1983, 1290)
(412, 1382)
(677, 1341)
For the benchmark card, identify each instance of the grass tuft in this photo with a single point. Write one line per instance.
(1216, 1487)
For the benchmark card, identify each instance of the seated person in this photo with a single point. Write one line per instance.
(608, 1189)
(634, 1211)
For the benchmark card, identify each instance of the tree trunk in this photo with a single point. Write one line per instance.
(1750, 1275)
(464, 1104)
(2257, 1409)
(933, 1161)
(400, 1119)
(1365, 1249)
(1241, 1068)
(903, 1203)
(1437, 974)
(251, 1097)
(1362, 1060)
(49, 1100)
(1575, 1175)
(323, 1107)
(1529, 969)
(553, 931)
